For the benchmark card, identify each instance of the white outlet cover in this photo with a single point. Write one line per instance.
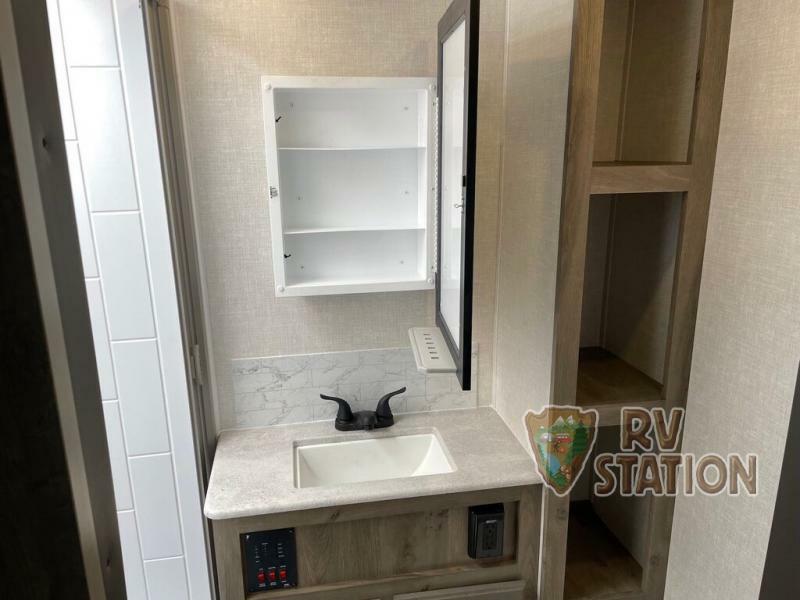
(430, 350)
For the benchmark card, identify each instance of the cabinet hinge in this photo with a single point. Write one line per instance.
(273, 191)
(196, 365)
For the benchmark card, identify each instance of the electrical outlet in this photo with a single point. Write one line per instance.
(486, 524)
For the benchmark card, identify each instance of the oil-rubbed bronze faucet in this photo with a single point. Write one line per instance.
(347, 420)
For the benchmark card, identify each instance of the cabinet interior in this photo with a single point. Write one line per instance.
(353, 184)
(627, 296)
(648, 74)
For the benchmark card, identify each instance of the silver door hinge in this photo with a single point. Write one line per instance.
(196, 365)
(273, 191)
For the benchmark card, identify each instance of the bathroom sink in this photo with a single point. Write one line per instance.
(374, 459)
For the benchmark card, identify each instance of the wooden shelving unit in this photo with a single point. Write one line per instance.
(646, 88)
(607, 383)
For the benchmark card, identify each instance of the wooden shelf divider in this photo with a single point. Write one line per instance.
(639, 178)
(607, 383)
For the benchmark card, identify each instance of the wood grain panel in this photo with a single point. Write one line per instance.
(607, 384)
(511, 590)
(581, 121)
(386, 589)
(627, 178)
(370, 550)
(387, 546)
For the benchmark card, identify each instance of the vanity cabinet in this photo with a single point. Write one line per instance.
(414, 548)
(351, 183)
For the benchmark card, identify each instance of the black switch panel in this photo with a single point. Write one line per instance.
(486, 525)
(270, 560)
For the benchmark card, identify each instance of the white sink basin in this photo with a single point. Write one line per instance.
(370, 460)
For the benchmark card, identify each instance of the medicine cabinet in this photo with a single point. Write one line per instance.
(351, 183)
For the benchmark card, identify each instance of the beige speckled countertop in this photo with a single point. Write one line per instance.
(253, 471)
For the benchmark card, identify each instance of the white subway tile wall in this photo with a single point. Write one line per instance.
(102, 129)
(286, 389)
(156, 508)
(88, 258)
(62, 80)
(118, 456)
(164, 581)
(102, 346)
(124, 272)
(132, 556)
(141, 396)
(88, 30)
(109, 126)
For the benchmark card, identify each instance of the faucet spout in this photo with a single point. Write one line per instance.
(367, 420)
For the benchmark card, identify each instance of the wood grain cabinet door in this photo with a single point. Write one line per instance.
(509, 590)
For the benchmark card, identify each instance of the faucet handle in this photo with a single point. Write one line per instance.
(384, 411)
(345, 414)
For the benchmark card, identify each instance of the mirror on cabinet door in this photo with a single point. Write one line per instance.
(457, 111)
(447, 348)
(371, 187)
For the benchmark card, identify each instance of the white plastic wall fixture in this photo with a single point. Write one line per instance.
(430, 350)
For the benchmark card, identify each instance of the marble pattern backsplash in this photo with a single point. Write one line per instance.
(285, 389)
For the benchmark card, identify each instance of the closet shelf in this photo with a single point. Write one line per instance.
(356, 229)
(639, 177)
(607, 383)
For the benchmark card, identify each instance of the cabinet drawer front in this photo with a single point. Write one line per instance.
(509, 590)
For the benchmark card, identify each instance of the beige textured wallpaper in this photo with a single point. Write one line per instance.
(223, 48)
(747, 343)
(537, 77)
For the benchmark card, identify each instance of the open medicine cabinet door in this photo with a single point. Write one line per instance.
(448, 346)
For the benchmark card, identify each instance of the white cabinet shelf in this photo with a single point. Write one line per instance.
(351, 148)
(351, 229)
(351, 186)
(319, 287)
(365, 260)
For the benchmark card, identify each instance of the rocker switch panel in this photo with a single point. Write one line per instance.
(270, 560)
(486, 525)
